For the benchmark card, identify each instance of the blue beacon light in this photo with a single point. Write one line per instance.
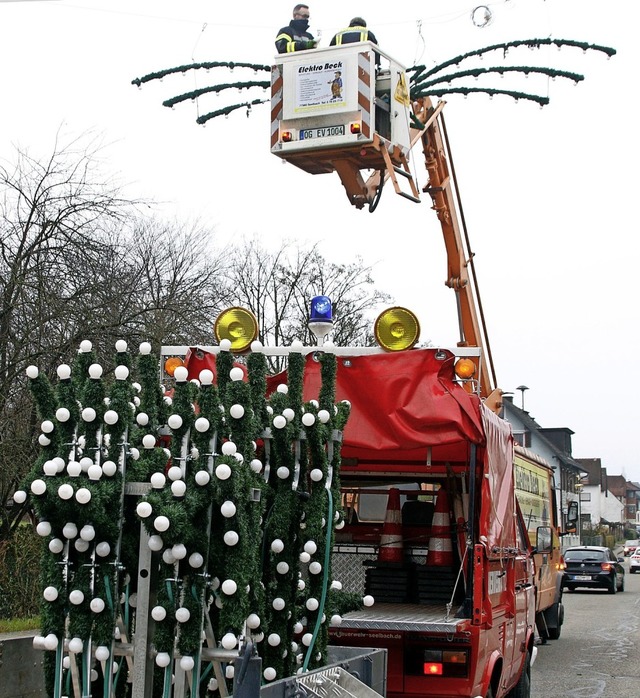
(321, 317)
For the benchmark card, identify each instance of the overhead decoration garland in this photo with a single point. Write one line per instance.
(235, 494)
(424, 82)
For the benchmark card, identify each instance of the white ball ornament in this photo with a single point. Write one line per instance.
(121, 373)
(324, 416)
(304, 557)
(142, 418)
(148, 441)
(206, 377)
(74, 468)
(253, 621)
(83, 496)
(47, 426)
(97, 605)
(282, 568)
(94, 472)
(20, 496)
(50, 468)
(231, 538)
(63, 414)
(229, 587)
(121, 346)
(155, 543)
(103, 549)
(50, 593)
(109, 468)
(158, 613)
(336, 585)
(311, 547)
(144, 510)
(277, 545)
(32, 371)
(161, 523)
(283, 472)
(228, 509)
(102, 653)
(64, 372)
(196, 560)
(43, 528)
(278, 604)
(183, 615)
(288, 414)
(340, 525)
(174, 421)
(174, 473)
(95, 371)
(312, 604)
(179, 551)
(65, 491)
(269, 673)
(298, 628)
(110, 417)
(44, 440)
(202, 478)
(308, 419)
(87, 532)
(274, 639)
(368, 600)
(225, 344)
(336, 620)
(202, 424)
(223, 472)
(316, 475)
(163, 659)
(158, 481)
(181, 374)
(229, 641)
(229, 448)
(229, 671)
(279, 422)
(134, 453)
(306, 639)
(301, 585)
(167, 557)
(50, 642)
(315, 568)
(56, 546)
(178, 488)
(236, 374)
(144, 348)
(236, 411)
(81, 545)
(76, 597)
(256, 465)
(283, 388)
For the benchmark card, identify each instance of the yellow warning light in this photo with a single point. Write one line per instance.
(355, 127)
(465, 369)
(239, 326)
(396, 329)
(172, 363)
(286, 136)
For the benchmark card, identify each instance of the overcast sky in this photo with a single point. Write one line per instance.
(550, 195)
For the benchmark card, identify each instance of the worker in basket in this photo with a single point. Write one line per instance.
(296, 36)
(355, 32)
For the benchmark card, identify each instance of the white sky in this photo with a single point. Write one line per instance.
(549, 194)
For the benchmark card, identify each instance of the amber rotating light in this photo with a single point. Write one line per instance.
(396, 329)
(239, 326)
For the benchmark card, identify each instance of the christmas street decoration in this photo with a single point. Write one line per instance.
(205, 510)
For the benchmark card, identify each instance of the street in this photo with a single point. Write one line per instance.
(598, 652)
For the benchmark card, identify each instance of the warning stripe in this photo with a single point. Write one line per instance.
(364, 91)
(276, 103)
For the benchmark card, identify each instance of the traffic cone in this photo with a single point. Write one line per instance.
(440, 551)
(391, 549)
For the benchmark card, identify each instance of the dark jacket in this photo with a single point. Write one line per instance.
(352, 35)
(290, 39)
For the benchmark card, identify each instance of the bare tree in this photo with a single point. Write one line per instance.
(278, 286)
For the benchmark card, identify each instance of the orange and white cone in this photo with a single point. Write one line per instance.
(440, 551)
(391, 549)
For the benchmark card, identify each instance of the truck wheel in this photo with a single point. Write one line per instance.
(555, 618)
(523, 688)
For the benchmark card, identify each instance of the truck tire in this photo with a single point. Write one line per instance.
(523, 688)
(554, 617)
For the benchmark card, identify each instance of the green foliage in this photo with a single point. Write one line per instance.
(19, 574)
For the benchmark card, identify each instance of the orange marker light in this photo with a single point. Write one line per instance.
(286, 136)
(355, 127)
(465, 369)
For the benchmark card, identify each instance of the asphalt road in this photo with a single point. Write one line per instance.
(598, 652)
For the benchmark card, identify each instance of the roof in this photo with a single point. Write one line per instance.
(565, 459)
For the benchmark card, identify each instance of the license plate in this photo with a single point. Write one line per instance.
(582, 578)
(322, 132)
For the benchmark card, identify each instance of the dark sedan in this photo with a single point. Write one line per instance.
(594, 567)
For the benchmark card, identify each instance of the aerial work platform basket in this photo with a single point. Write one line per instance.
(344, 109)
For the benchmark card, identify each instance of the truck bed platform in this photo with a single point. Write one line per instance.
(409, 617)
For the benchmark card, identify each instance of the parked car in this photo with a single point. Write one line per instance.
(594, 567)
(630, 546)
(634, 562)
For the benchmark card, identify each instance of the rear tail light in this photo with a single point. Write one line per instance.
(606, 566)
(432, 669)
(562, 565)
(445, 663)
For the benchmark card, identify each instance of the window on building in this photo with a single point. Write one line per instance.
(585, 496)
(522, 438)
